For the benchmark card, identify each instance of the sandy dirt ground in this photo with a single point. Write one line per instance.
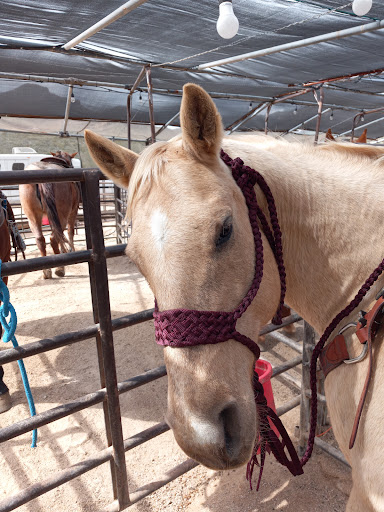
(47, 308)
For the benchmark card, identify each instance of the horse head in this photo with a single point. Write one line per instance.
(193, 242)
(63, 155)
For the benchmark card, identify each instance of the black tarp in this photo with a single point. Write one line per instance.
(161, 31)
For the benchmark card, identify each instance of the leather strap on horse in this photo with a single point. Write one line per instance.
(319, 347)
(335, 353)
(185, 328)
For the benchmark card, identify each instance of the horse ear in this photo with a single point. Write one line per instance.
(363, 137)
(328, 135)
(115, 162)
(200, 122)
(52, 153)
(73, 155)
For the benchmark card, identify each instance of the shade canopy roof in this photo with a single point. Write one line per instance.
(175, 37)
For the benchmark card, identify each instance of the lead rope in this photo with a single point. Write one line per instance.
(320, 345)
(9, 326)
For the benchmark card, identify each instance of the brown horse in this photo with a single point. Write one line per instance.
(59, 201)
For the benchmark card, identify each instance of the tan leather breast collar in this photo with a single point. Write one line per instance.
(336, 352)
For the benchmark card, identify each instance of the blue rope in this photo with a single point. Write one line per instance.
(9, 327)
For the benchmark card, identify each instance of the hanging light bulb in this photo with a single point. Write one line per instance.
(73, 99)
(295, 111)
(250, 106)
(227, 25)
(331, 116)
(362, 116)
(361, 7)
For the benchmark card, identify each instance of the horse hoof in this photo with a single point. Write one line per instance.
(5, 402)
(60, 272)
(47, 273)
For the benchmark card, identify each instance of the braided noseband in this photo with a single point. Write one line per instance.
(186, 328)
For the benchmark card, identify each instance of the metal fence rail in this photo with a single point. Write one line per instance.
(102, 329)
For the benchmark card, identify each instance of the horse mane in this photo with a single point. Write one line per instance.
(151, 163)
(355, 150)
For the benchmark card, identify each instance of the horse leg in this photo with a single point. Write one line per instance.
(60, 271)
(5, 398)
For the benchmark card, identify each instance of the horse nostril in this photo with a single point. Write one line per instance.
(230, 422)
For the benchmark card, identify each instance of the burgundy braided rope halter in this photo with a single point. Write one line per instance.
(187, 328)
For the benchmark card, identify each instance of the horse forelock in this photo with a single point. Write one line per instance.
(149, 167)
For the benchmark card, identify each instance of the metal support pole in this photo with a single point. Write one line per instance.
(129, 102)
(105, 348)
(308, 346)
(64, 133)
(320, 102)
(115, 15)
(249, 115)
(165, 125)
(339, 34)
(150, 103)
(306, 121)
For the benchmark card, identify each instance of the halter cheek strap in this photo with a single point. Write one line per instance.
(186, 327)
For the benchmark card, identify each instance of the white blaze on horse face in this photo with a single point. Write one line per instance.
(159, 224)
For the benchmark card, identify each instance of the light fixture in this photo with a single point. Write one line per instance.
(361, 7)
(295, 111)
(250, 106)
(73, 99)
(362, 116)
(227, 24)
(331, 116)
(140, 99)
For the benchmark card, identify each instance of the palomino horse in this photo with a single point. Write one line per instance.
(193, 242)
(59, 201)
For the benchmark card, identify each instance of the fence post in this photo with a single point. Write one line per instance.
(104, 339)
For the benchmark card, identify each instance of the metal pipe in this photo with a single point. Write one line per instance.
(47, 176)
(155, 90)
(288, 406)
(280, 337)
(287, 365)
(67, 108)
(364, 125)
(308, 346)
(129, 103)
(306, 121)
(105, 346)
(339, 34)
(150, 103)
(288, 320)
(68, 474)
(320, 102)
(358, 116)
(61, 411)
(331, 450)
(61, 340)
(234, 126)
(165, 125)
(115, 15)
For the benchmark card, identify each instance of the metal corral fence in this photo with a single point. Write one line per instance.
(102, 330)
(108, 208)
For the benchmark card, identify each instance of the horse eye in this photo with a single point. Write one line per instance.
(226, 232)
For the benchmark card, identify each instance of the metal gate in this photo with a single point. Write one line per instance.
(102, 330)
